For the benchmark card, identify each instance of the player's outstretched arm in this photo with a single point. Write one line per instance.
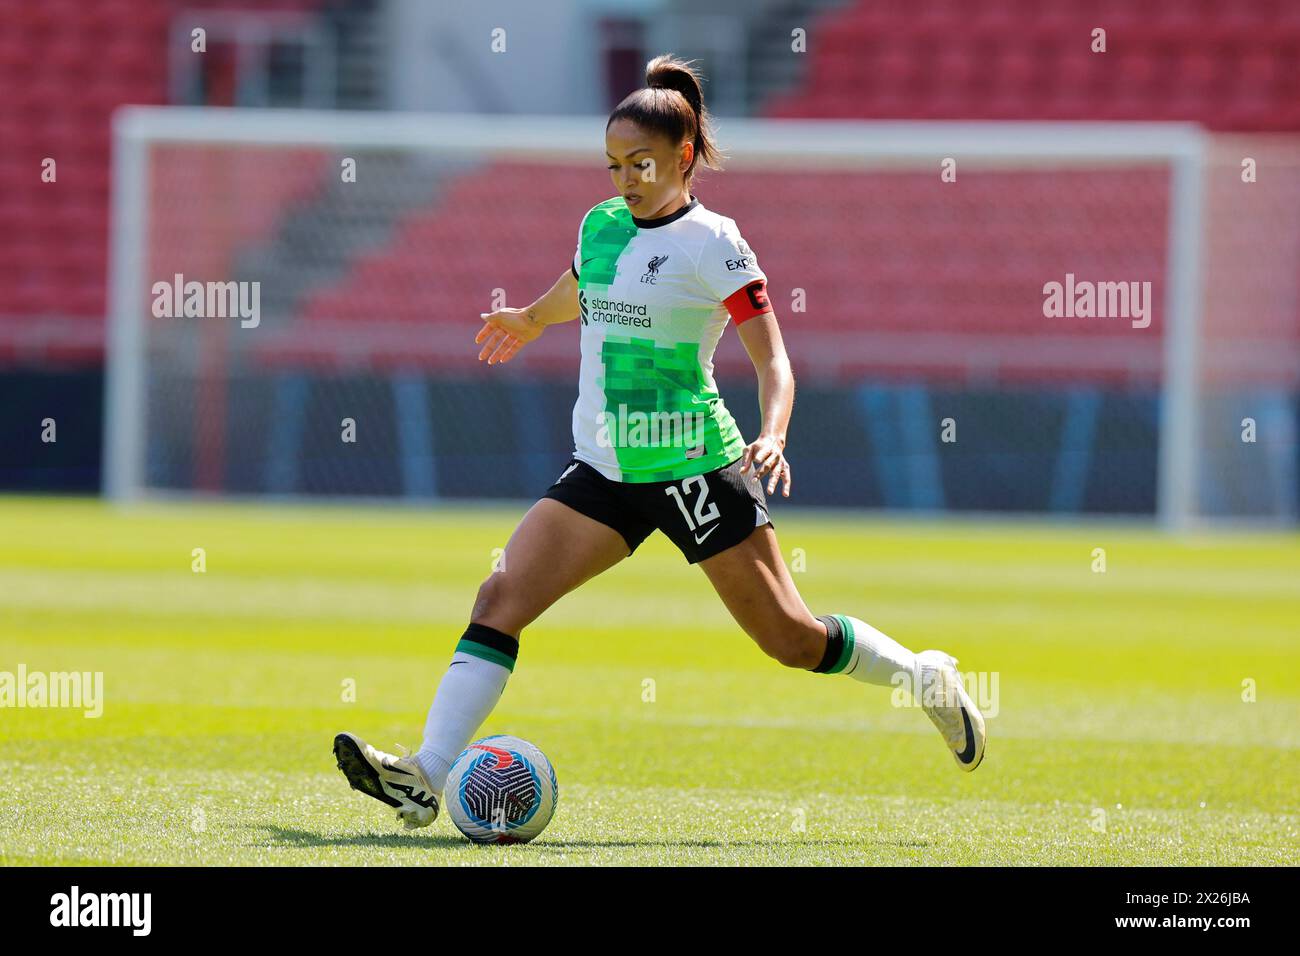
(506, 330)
(761, 337)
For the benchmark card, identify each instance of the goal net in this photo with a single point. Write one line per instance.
(1070, 318)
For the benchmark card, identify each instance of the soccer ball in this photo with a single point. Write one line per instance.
(501, 790)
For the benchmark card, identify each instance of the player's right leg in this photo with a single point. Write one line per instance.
(556, 547)
(753, 581)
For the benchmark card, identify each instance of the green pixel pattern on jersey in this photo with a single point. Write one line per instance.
(643, 380)
(605, 234)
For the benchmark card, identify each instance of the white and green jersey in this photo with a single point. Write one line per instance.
(651, 297)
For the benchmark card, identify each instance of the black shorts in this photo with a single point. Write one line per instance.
(703, 515)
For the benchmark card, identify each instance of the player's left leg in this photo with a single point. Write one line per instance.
(559, 545)
(756, 586)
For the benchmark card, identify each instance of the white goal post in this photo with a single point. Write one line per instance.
(749, 144)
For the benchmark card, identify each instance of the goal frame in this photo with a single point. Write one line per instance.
(823, 144)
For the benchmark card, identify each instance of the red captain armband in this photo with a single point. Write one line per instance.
(748, 302)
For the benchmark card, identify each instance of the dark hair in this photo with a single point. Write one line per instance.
(672, 104)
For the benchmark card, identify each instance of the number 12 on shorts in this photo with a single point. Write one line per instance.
(703, 515)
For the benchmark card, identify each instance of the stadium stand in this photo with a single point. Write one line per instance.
(1032, 59)
(1021, 59)
(65, 66)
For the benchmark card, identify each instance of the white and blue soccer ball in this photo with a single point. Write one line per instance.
(501, 789)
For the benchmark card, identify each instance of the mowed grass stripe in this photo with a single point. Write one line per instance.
(1119, 692)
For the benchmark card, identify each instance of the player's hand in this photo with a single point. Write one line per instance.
(767, 455)
(504, 333)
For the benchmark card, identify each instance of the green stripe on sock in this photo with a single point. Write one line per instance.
(475, 649)
(846, 653)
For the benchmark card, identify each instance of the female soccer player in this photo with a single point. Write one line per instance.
(654, 279)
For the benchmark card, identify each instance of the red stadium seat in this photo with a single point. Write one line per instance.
(92, 57)
(1031, 59)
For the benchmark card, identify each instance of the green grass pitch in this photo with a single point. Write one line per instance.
(1125, 732)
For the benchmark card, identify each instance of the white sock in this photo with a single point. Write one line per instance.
(466, 695)
(856, 648)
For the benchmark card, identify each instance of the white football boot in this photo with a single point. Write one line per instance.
(397, 781)
(949, 707)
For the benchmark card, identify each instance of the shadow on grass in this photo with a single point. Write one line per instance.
(560, 846)
(287, 837)
(567, 846)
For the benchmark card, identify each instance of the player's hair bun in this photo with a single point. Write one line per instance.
(669, 73)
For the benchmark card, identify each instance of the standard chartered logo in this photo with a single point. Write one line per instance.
(615, 312)
(637, 429)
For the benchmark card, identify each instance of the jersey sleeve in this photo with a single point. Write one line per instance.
(577, 253)
(727, 264)
(729, 270)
